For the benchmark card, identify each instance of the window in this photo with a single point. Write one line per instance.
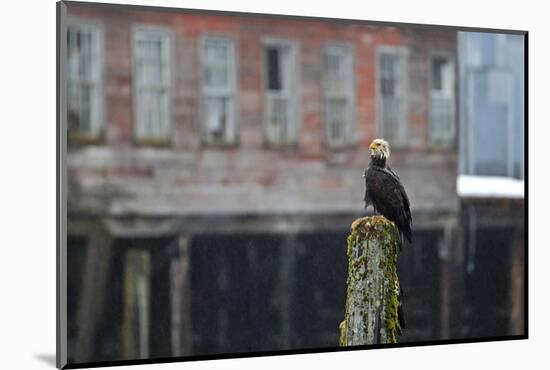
(280, 101)
(218, 84)
(491, 140)
(84, 96)
(442, 101)
(338, 89)
(391, 92)
(151, 84)
(491, 77)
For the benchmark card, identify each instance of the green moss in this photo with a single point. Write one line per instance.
(382, 231)
(343, 332)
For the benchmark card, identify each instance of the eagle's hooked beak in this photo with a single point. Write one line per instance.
(373, 146)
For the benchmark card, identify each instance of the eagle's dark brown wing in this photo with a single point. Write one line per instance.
(366, 198)
(388, 197)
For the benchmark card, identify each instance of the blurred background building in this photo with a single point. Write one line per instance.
(215, 165)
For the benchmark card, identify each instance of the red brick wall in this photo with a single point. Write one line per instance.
(248, 31)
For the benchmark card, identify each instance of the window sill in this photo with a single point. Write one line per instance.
(339, 148)
(153, 142)
(219, 144)
(281, 145)
(441, 147)
(77, 139)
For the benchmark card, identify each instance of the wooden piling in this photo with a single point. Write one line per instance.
(372, 285)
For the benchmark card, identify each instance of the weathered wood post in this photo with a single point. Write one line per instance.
(372, 295)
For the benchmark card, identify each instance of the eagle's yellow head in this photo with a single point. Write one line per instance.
(379, 148)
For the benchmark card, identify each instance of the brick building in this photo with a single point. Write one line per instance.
(215, 164)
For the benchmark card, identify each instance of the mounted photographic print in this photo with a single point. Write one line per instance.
(235, 184)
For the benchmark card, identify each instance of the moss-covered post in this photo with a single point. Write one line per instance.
(372, 297)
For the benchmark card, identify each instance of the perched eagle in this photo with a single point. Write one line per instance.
(384, 191)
